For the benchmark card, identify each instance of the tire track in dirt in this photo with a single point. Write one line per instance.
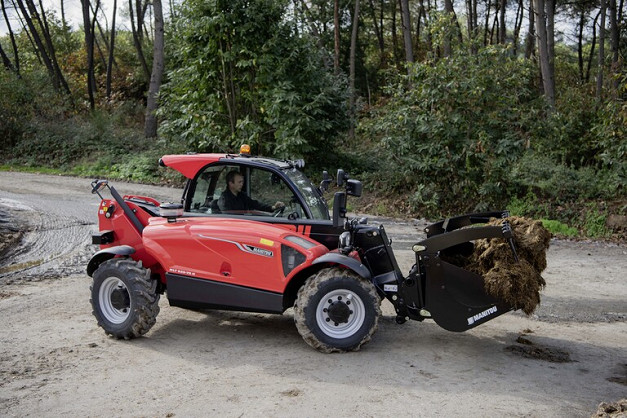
(50, 245)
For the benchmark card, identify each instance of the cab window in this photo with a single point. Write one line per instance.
(260, 185)
(270, 188)
(210, 183)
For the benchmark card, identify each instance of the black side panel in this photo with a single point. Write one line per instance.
(194, 293)
(456, 297)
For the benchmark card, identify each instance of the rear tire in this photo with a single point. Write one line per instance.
(124, 298)
(337, 311)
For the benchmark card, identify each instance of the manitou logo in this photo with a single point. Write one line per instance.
(481, 315)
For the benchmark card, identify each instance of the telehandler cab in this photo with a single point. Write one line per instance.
(334, 271)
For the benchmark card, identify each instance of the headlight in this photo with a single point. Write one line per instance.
(290, 258)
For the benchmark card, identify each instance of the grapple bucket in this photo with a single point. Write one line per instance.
(454, 296)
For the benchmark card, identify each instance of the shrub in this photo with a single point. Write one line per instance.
(450, 131)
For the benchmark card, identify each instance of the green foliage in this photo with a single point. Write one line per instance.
(595, 222)
(101, 144)
(560, 229)
(527, 205)
(451, 130)
(609, 134)
(560, 183)
(243, 74)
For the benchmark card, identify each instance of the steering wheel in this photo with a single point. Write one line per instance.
(278, 211)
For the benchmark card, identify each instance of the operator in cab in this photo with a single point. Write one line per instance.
(233, 199)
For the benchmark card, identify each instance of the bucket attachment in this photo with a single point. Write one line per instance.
(455, 297)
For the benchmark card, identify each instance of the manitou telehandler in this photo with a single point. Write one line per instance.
(334, 271)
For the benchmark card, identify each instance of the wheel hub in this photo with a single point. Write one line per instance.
(339, 312)
(120, 299)
(114, 300)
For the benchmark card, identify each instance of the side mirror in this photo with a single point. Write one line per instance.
(341, 176)
(353, 187)
(326, 180)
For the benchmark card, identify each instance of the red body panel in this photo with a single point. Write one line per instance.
(212, 248)
(124, 233)
(189, 165)
(240, 252)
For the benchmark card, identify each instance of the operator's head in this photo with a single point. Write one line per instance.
(235, 181)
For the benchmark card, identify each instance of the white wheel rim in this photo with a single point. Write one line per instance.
(354, 321)
(110, 312)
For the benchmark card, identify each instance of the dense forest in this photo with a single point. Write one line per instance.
(439, 106)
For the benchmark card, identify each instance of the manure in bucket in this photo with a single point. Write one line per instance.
(518, 283)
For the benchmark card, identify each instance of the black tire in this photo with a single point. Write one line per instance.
(337, 311)
(124, 298)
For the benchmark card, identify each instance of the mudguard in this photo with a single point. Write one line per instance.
(346, 261)
(106, 254)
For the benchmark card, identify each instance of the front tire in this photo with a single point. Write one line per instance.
(124, 298)
(337, 311)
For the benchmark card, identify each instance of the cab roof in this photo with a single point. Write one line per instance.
(189, 164)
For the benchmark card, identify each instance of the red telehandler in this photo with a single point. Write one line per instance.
(334, 271)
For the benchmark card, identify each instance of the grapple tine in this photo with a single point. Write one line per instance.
(509, 236)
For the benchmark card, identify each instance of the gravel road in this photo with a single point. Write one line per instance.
(563, 361)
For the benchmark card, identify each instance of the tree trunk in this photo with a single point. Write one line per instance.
(394, 34)
(471, 22)
(111, 49)
(614, 39)
(39, 46)
(16, 56)
(502, 29)
(599, 92)
(336, 36)
(594, 42)
(544, 49)
(448, 8)
(6, 61)
(89, 48)
(150, 128)
(378, 30)
(582, 22)
(353, 53)
(406, 22)
(517, 25)
(136, 31)
(495, 24)
(550, 40)
(531, 33)
(486, 28)
(43, 24)
(63, 19)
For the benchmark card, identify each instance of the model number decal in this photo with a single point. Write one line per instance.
(179, 271)
(481, 315)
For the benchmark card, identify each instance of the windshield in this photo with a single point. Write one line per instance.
(319, 209)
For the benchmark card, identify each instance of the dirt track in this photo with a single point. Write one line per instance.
(565, 360)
